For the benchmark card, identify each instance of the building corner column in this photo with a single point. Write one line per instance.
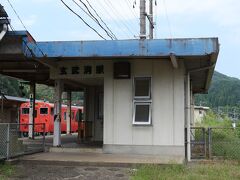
(68, 116)
(188, 116)
(32, 110)
(57, 113)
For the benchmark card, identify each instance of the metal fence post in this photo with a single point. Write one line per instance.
(8, 141)
(205, 142)
(44, 130)
(209, 142)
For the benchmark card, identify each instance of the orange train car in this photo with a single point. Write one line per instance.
(44, 113)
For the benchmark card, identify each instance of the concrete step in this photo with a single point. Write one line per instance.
(95, 159)
(75, 150)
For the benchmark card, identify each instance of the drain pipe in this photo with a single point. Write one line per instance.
(4, 31)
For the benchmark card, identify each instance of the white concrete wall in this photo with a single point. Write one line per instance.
(167, 127)
(198, 117)
(166, 134)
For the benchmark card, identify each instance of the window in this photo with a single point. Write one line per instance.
(25, 110)
(65, 116)
(142, 101)
(43, 110)
(142, 87)
(142, 113)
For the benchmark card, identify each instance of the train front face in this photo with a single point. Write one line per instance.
(24, 117)
(42, 116)
(45, 116)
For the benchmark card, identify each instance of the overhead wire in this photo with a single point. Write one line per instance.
(83, 20)
(94, 18)
(101, 19)
(124, 31)
(30, 50)
(108, 2)
(16, 14)
(131, 9)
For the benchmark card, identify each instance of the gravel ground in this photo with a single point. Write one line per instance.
(52, 172)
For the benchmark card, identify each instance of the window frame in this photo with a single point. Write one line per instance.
(142, 100)
(25, 113)
(43, 108)
(149, 122)
(150, 88)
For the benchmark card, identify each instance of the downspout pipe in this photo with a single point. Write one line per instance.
(4, 31)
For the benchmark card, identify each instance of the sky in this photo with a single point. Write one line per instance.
(50, 20)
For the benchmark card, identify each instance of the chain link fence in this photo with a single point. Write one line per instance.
(217, 142)
(14, 143)
(224, 143)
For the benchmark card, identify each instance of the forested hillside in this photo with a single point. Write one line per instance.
(224, 91)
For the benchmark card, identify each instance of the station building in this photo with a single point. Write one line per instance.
(138, 93)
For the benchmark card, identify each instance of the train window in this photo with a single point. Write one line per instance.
(65, 116)
(43, 110)
(25, 110)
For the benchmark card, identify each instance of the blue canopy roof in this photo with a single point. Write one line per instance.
(125, 48)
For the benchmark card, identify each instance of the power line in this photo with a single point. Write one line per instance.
(133, 12)
(118, 14)
(83, 20)
(16, 14)
(124, 32)
(101, 19)
(93, 17)
(13, 30)
(23, 26)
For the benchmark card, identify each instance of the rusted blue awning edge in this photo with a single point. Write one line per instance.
(124, 48)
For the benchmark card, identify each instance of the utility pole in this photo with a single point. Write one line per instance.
(151, 25)
(143, 16)
(142, 19)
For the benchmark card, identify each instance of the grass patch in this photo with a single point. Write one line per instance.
(214, 171)
(6, 171)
